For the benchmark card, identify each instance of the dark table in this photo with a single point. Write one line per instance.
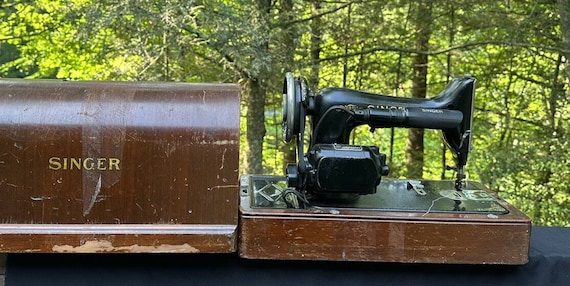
(549, 265)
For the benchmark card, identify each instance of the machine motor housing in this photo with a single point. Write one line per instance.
(346, 168)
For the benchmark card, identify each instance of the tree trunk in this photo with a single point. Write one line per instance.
(255, 126)
(255, 91)
(415, 144)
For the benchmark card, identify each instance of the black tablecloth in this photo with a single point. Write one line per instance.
(549, 265)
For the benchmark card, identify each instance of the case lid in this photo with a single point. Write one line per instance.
(152, 157)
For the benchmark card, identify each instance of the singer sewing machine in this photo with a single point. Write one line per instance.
(334, 203)
(108, 167)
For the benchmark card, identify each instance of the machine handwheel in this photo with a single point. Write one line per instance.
(291, 107)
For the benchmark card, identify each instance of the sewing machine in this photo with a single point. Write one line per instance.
(332, 166)
(91, 167)
(334, 203)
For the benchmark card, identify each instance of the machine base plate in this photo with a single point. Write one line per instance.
(406, 221)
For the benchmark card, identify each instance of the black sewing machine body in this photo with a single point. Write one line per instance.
(332, 166)
(445, 111)
(334, 203)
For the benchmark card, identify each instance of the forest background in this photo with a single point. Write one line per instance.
(517, 50)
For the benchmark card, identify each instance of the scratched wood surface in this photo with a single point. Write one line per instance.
(119, 238)
(407, 241)
(383, 236)
(99, 153)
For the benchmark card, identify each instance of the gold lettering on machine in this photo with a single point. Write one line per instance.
(102, 164)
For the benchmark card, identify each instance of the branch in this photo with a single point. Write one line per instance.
(13, 37)
(502, 114)
(232, 64)
(224, 56)
(466, 46)
(499, 43)
(289, 23)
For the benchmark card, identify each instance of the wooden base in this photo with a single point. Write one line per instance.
(353, 234)
(134, 238)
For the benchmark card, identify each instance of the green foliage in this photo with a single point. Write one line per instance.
(513, 48)
(50, 45)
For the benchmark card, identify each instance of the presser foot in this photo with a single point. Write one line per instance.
(459, 184)
(459, 188)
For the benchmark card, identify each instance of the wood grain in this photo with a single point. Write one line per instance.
(383, 236)
(98, 153)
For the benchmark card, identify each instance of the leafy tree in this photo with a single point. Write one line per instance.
(517, 50)
(46, 36)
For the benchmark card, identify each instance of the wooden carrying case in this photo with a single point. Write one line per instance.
(394, 225)
(118, 167)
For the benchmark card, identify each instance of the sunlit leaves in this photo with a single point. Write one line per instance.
(522, 113)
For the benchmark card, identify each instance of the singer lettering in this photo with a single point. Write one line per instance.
(102, 164)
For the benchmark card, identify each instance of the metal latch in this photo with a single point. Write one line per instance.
(417, 186)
